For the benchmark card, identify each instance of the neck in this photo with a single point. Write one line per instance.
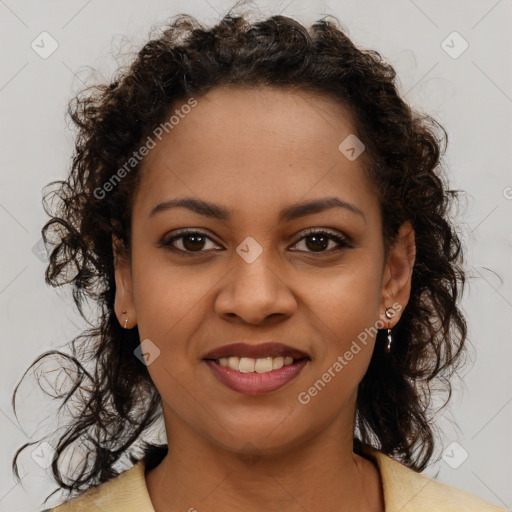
(320, 474)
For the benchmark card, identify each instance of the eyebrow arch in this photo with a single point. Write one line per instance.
(288, 214)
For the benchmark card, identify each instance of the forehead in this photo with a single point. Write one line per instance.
(239, 122)
(252, 148)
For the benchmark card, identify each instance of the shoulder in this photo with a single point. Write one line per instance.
(406, 490)
(125, 493)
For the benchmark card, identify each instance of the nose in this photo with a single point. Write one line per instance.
(254, 291)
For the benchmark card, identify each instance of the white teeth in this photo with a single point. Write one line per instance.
(250, 365)
(246, 365)
(277, 362)
(263, 365)
(233, 362)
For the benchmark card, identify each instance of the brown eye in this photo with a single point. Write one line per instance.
(317, 241)
(190, 241)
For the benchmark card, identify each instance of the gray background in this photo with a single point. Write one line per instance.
(471, 95)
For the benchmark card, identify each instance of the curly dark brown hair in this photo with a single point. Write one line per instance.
(115, 401)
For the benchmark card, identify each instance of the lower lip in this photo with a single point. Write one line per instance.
(256, 383)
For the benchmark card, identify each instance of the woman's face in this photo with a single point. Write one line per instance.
(249, 272)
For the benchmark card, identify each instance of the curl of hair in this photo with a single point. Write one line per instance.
(117, 399)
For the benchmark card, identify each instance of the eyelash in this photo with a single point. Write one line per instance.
(342, 241)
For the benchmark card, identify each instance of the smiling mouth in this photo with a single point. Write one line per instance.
(261, 358)
(254, 376)
(256, 369)
(260, 365)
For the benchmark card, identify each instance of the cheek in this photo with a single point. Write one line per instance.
(345, 312)
(169, 309)
(346, 320)
(167, 298)
(347, 302)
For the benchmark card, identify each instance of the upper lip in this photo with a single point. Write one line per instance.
(269, 349)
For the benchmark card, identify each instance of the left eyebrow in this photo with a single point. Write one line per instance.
(288, 214)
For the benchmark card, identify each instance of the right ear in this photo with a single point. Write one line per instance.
(124, 295)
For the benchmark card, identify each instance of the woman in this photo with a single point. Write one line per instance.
(263, 223)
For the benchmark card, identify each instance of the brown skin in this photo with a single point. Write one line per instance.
(257, 151)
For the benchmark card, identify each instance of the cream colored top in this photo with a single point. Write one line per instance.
(405, 490)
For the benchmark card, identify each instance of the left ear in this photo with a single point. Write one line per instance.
(124, 305)
(396, 279)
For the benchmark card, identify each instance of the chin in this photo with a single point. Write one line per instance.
(261, 438)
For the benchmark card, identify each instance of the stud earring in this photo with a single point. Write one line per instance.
(389, 314)
(126, 320)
